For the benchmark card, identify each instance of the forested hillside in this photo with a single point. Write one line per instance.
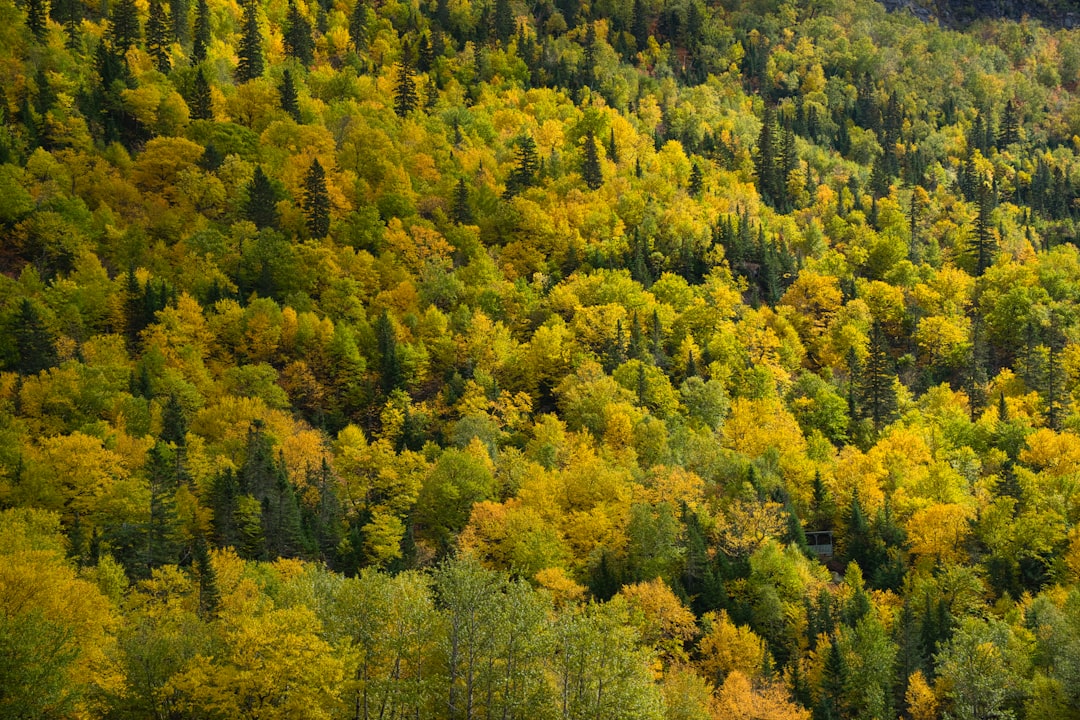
(464, 359)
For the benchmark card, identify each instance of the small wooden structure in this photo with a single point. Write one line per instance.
(821, 543)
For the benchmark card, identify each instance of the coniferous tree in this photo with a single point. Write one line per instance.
(70, 16)
(590, 164)
(34, 344)
(389, 362)
(696, 184)
(124, 25)
(201, 41)
(503, 21)
(405, 93)
(178, 12)
(201, 106)
(290, 101)
(983, 242)
(524, 173)
(250, 50)
(1010, 125)
(462, 213)
(261, 207)
(174, 422)
(157, 36)
(298, 41)
(765, 157)
(358, 25)
(163, 543)
(209, 596)
(878, 394)
(612, 148)
(317, 201)
(834, 680)
(424, 56)
(640, 24)
(36, 18)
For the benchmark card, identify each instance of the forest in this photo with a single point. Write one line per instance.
(476, 359)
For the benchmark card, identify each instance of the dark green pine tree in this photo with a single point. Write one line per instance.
(358, 25)
(659, 356)
(765, 157)
(124, 25)
(636, 349)
(406, 96)
(298, 42)
(209, 596)
(697, 182)
(590, 164)
(424, 54)
(612, 148)
(282, 525)
(178, 11)
(36, 18)
(158, 38)
(34, 344)
(831, 705)
(504, 21)
(224, 499)
(261, 207)
(1010, 126)
(201, 107)
(201, 41)
(174, 422)
(640, 24)
(389, 361)
(250, 51)
(983, 242)
(316, 201)
(290, 100)
(878, 395)
(524, 173)
(163, 543)
(70, 15)
(462, 213)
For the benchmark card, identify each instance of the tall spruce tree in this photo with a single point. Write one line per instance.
(590, 164)
(462, 213)
(524, 173)
(298, 41)
(389, 361)
(290, 101)
(406, 96)
(124, 25)
(200, 106)
(158, 31)
(250, 51)
(765, 157)
(358, 25)
(34, 343)
(201, 41)
(983, 242)
(697, 182)
(261, 207)
(178, 12)
(36, 18)
(878, 395)
(503, 21)
(316, 201)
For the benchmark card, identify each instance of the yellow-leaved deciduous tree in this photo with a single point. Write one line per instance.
(746, 526)
(687, 695)
(379, 484)
(814, 300)
(664, 622)
(939, 531)
(77, 475)
(56, 630)
(756, 426)
(727, 648)
(920, 698)
(739, 699)
(272, 665)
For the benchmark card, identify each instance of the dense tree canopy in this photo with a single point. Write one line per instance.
(514, 359)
